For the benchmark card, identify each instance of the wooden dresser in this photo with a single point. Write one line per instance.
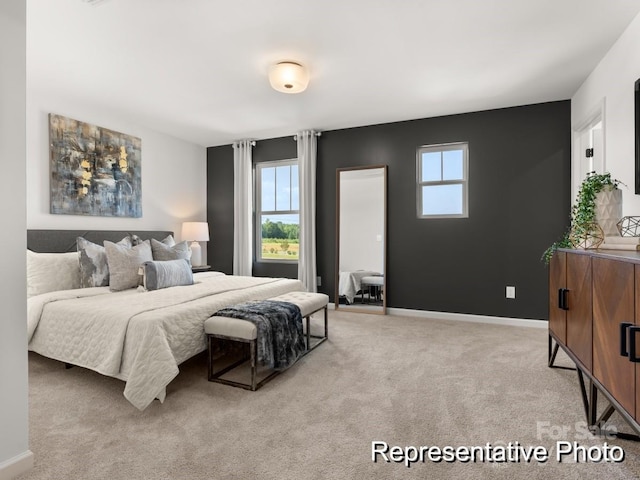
(594, 316)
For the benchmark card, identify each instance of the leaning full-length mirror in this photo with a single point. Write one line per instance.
(361, 217)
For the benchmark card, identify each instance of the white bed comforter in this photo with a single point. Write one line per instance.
(140, 337)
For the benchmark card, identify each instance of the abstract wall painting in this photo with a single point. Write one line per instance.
(94, 171)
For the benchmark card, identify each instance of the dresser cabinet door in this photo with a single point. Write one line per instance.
(637, 365)
(579, 307)
(613, 303)
(557, 283)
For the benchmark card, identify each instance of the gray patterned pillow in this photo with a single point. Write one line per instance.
(94, 269)
(169, 273)
(135, 240)
(163, 251)
(124, 263)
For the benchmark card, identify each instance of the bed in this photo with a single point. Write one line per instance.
(137, 336)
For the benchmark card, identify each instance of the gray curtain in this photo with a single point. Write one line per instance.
(243, 207)
(307, 158)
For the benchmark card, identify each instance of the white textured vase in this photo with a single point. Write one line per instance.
(609, 210)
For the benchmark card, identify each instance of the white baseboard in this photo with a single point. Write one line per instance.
(16, 465)
(465, 317)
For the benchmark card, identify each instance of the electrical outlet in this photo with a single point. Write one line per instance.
(511, 292)
(319, 281)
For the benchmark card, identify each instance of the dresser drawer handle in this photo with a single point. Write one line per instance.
(560, 297)
(623, 338)
(633, 356)
(563, 303)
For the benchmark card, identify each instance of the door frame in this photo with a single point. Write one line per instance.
(595, 116)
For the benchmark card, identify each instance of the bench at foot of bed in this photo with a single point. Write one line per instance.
(243, 333)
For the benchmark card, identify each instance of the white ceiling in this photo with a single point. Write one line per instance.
(197, 69)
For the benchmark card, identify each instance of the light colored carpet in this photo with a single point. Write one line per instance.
(405, 381)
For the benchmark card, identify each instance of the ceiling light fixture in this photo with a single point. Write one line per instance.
(288, 77)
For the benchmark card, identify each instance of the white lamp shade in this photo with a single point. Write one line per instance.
(288, 77)
(195, 231)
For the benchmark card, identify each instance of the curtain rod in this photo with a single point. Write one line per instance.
(252, 142)
(317, 134)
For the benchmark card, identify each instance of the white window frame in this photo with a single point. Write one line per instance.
(443, 147)
(258, 212)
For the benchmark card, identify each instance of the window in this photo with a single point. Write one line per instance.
(277, 211)
(443, 180)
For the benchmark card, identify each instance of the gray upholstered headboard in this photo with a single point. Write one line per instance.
(60, 241)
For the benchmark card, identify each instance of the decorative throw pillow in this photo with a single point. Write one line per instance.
(124, 263)
(163, 251)
(94, 269)
(168, 273)
(135, 240)
(168, 240)
(48, 272)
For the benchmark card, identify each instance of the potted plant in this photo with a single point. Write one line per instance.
(597, 208)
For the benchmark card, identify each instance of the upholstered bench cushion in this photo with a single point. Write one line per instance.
(377, 280)
(234, 327)
(307, 302)
(230, 327)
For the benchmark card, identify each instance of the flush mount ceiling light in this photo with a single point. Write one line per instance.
(288, 77)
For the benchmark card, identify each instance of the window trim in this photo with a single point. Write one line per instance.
(443, 147)
(257, 212)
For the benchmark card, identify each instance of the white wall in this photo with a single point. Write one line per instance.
(613, 80)
(174, 175)
(14, 429)
(361, 220)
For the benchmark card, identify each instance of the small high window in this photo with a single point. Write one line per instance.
(442, 183)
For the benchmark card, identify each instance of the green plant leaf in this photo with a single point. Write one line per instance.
(583, 211)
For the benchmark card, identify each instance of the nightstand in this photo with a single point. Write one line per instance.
(200, 268)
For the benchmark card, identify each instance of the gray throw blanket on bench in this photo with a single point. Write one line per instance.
(279, 324)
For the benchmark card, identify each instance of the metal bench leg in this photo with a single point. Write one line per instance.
(326, 322)
(308, 337)
(254, 368)
(253, 384)
(321, 338)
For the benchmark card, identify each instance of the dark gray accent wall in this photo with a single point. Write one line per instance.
(220, 208)
(519, 203)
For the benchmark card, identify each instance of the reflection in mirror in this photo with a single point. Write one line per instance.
(361, 239)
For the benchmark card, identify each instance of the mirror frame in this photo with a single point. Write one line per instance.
(383, 311)
(636, 130)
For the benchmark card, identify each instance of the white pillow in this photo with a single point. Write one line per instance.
(48, 272)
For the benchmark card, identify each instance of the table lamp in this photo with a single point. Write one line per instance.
(195, 232)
